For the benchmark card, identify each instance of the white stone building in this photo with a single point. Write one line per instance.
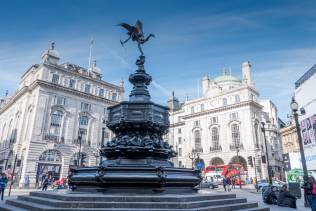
(41, 122)
(226, 119)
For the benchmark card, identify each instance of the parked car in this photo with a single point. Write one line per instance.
(262, 184)
(207, 184)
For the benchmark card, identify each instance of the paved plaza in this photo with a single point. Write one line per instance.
(252, 196)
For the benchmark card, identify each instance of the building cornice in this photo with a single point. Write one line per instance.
(221, 94)
(59, 67)
(177, 124)
(38, 82)
(224, 108)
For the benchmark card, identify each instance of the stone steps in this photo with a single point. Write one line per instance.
(70, 201)
(115, 204)
(129, 198)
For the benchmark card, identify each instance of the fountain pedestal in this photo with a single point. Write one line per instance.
(137, 158)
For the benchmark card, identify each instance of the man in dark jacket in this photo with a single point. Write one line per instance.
(286, 199)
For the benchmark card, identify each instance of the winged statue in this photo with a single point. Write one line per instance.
(136, 34)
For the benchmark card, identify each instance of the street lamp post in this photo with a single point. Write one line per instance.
(294, 108)
(193, 155)
(238, 162)
(79, 154)
(267, 153)
(102, 142)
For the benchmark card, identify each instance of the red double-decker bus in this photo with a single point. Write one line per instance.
(216, 172)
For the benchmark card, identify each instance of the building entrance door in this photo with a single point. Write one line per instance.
(49, 164)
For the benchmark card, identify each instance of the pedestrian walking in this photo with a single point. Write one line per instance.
(255, 182)
(229, 182)
(233, 182)
(224, 183)
(3, 183)
(310, 191)
(45, 184)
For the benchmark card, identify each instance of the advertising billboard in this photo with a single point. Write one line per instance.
(308, 131)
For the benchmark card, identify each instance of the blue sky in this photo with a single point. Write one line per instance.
(193, 38)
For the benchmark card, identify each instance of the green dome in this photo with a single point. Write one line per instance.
(227, 79)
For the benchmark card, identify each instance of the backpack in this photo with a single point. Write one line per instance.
(314, 189)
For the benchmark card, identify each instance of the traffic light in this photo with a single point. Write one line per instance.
(250, 163)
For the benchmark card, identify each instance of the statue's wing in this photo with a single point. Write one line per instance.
(127, 26)
(139, 26)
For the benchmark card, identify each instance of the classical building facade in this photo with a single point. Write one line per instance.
(289, 138)
(56, 109)
(224, 126)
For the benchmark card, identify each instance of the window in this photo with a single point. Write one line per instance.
(55, 78)
(234, 116)
(192, 109)
(224, 102)
(256, 134)
(214, 120)
(197, 141)
(83, 125)
(101, 92)
(59, 100)
(215, 137)
(197, 123)
(83, 120)
(85, 107)
(50, 156)
(55, 123)
(179, 140)
(180, 152)
(202, 107)
(114, 96)
(87, 88)
(237, 99)
(235, 135)
(179, 130)
(72, 83)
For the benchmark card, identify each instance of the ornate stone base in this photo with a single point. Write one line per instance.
(135, 176)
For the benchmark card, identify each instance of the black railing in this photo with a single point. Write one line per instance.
(216, 148)
(198, 149)
(236, 146)
(51, 137)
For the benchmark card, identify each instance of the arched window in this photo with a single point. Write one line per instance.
(76, 157)
(50, 156)
(83, 128)
(55, 123)
(197, 140)
(224, 101)
(235, 135)
(256, 134)
(215, 138)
